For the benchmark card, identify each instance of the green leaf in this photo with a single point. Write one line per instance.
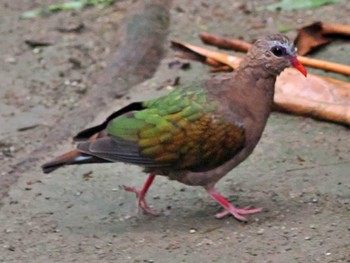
(31, 14)
(282, 28)
(73, 5)
(300, 4)
(66, 6)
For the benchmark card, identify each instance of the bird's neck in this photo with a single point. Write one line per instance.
(257, 77)
(256, 89)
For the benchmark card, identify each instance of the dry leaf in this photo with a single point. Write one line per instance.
(319, 34)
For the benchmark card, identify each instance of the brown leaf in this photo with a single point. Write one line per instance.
(314, 96)
(310, 37)
(319, 34)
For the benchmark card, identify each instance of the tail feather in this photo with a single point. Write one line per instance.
(72, 157)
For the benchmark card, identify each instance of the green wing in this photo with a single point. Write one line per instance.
(181, 131)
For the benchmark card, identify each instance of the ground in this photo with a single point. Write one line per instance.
(299, 172)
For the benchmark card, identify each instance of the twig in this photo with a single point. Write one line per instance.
(325, 65)
(335, 29)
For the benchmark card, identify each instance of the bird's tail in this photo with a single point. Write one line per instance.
(72, 157)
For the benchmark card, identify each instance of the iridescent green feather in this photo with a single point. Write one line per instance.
(190, 103)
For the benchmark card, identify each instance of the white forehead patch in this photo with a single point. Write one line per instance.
(289, 47)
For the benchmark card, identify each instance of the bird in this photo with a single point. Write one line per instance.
(196, 133)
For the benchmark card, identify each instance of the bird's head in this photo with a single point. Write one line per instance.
(276, 52)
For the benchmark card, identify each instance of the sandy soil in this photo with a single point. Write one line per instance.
(299, 172)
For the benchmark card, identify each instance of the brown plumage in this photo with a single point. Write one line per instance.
(194, 135)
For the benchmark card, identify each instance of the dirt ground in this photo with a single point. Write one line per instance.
(299, 172)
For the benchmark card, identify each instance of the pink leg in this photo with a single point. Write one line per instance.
(229, 208)
(141, 194)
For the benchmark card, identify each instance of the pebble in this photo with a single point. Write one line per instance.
(307, 238)
(11, 60)
(205, 241)
(261, 231)
(8, 230)
(36, 50)
(192, 231)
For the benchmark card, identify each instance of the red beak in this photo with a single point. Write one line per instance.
(296, 63)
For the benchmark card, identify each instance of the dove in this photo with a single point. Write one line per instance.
(195, 134)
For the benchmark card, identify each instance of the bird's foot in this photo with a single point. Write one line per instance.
(141, 194)
(238, 212)
(229, 208)
(141, 201)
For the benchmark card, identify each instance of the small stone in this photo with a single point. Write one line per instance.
(11, 60)
(328, 253)
(192, 231)
(312, 226)
(261, 231)
(11, 248)
(285, 231)
(307, 238)
(8, 230)
(36, 50)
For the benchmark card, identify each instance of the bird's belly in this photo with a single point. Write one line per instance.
(211, 177)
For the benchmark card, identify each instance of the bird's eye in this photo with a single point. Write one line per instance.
(278, 51)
